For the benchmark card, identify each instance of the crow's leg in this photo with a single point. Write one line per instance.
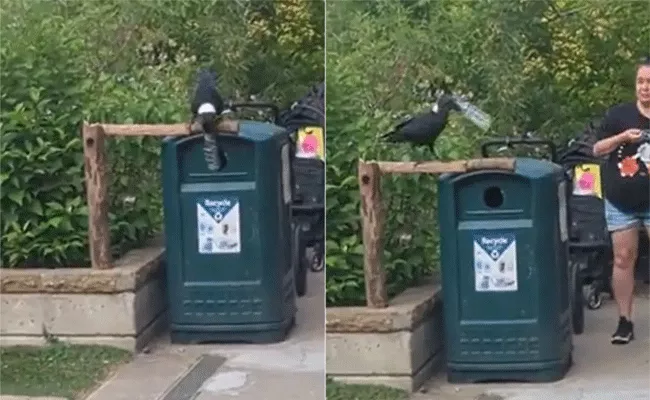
(417, 162)
(435, 153)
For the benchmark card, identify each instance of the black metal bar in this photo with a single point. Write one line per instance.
(510, 142)
(272, 107)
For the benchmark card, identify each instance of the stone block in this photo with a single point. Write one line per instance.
(399, 346)
(124, 306)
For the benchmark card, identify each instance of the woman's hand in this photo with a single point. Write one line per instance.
(632, 135)
(607, 145)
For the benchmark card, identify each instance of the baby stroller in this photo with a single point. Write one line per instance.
(305, 119)
(590, 242)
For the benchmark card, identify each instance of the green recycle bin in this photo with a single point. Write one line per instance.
(228, 237)
(505, 274)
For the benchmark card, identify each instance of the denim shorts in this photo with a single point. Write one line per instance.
(618, 220)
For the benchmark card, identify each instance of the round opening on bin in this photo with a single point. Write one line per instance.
(493, 197)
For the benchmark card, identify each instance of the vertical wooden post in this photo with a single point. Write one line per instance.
(372, 215)
(96, 173)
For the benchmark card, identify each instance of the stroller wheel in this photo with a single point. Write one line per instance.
(595, 300)
(318, 264)
(317, 261)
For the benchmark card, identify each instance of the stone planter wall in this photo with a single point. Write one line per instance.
(123, 307)
(399, 346)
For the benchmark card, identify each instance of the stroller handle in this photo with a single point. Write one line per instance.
(510, 142)
(268, 106)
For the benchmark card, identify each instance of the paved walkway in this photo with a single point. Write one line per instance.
(10, 397)
(601, 371)
(290, 370)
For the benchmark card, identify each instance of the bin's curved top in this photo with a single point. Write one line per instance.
(257, 131)
(536, 168)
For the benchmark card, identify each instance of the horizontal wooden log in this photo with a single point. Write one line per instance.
(225, 126)
(442, 167)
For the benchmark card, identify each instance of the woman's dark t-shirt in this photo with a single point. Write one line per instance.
(626, 179)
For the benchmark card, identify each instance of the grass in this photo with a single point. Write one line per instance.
(340, 391)
(60, 370)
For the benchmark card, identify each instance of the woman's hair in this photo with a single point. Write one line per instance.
(643, 62)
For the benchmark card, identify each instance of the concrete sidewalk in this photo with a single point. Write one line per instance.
(10, 397)
(290, 370)
(601, 371)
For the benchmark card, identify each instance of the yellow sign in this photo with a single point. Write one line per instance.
(586, 180)
(311, 143)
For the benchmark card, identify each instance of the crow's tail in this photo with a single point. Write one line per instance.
(392, 136)
(212, 152)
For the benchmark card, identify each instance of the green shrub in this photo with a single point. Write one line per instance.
(44, 217)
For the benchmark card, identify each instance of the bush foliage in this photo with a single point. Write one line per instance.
(547, 65)
(124, 61)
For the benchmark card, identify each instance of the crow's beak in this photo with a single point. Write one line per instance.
(456, 101)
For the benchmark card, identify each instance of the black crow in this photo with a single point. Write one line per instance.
(424, 129)
(207, 107)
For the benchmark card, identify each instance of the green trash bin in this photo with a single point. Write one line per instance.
(228, 237)
(505, 275)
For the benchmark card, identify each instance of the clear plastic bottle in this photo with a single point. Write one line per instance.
(474, 114)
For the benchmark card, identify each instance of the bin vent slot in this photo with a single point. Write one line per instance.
(493, 197)
(480, 345)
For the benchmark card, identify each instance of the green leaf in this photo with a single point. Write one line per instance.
(17, 196)
(36, 208)
(54, 206)
(55, 222)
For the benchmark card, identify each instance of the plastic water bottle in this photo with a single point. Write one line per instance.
(474, 114)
